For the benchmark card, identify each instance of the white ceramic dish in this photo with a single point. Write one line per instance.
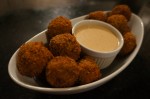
(116, 67)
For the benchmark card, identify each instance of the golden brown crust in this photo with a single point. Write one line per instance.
(59, 25)
(97, 15)
(123, 10)
(119, 22)
(65, 45)
(62, 72)
(32, 58)
(129, 44)
(89, 71)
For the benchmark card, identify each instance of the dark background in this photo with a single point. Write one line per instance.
(18, 26)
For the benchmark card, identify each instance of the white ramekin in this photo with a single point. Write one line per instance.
(103, 59)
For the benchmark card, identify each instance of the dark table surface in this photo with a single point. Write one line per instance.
(19, 26)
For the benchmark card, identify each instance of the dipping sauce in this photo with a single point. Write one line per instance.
(97, 38)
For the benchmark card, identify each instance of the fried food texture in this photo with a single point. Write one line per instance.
(59, 25)
(129, 44)
(62, 71)
(97, 15)
(89, 71)
(32, 58)
(65, 45)
(119, 22)
(123, 10)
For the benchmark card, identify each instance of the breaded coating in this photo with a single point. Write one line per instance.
(97, 15)
(123, 10)
(119, 22)
(108, 14)
(62, 71)
(129, 44)
(89, 71)
(87, 57)
(59, 25)
(32, 58)
(65, 45)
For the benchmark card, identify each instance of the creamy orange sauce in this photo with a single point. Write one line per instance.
(97, 38)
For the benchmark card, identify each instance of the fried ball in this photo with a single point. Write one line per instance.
(119, 22)
(108, 14)
(65, 45)
(62, 71)
(59, 25)
(32, 58)
(129, 44)
(97, 15)
(89, 71)
(123, 10)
